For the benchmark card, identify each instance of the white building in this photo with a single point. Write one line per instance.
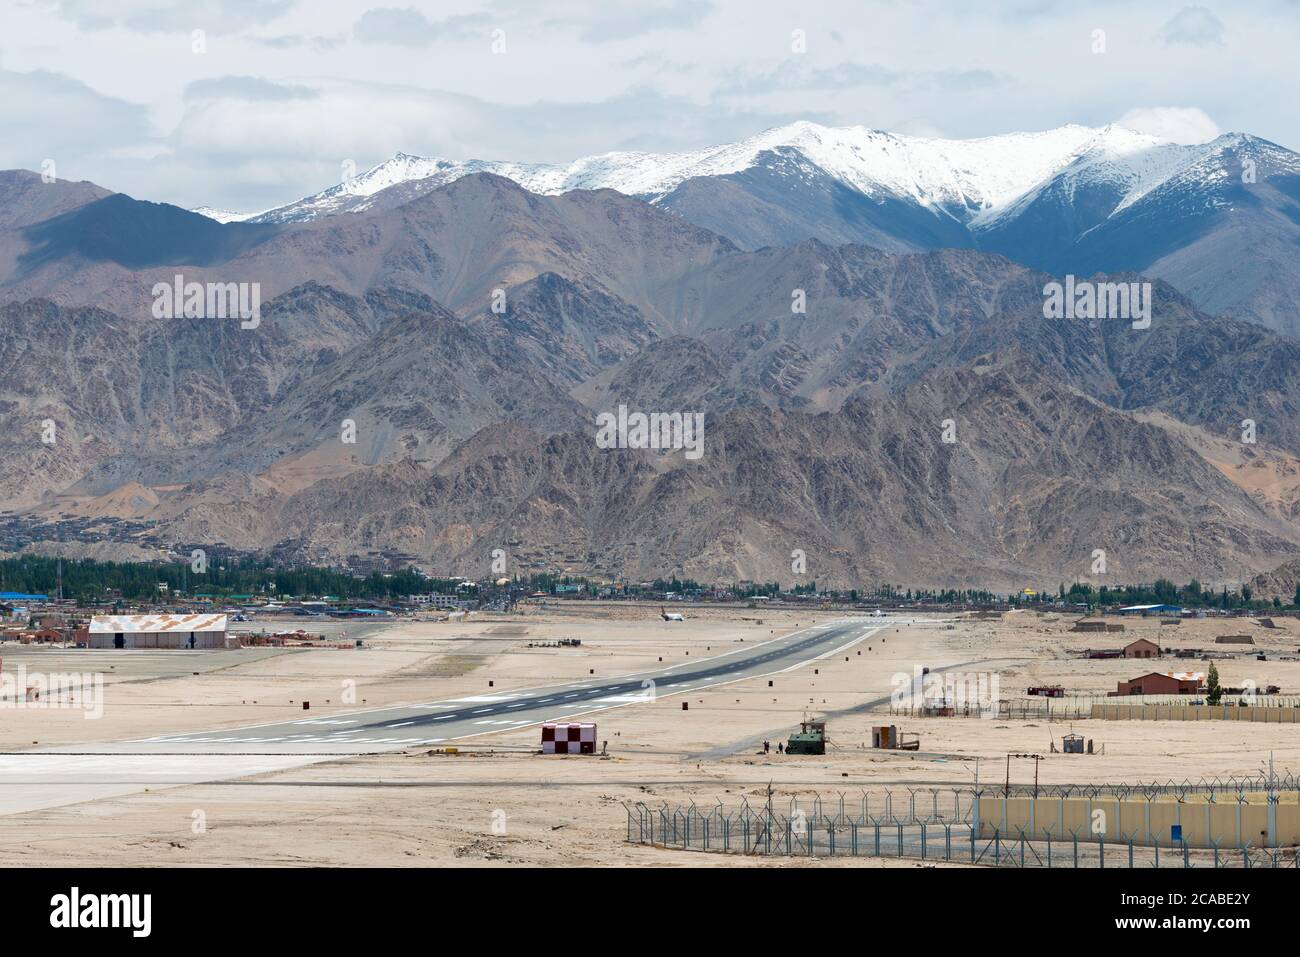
(160, 631)
(435, 600)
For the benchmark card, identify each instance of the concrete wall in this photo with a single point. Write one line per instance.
(1176, 712)
(1228, 823)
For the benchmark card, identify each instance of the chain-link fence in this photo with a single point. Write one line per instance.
(934, 825)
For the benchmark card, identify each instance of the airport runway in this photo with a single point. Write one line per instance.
(455, 719)
(53, 777)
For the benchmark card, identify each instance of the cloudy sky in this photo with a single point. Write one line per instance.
(246, 104)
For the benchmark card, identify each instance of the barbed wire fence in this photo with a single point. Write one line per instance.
(936, 825)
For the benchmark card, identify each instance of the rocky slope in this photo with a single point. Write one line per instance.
(825, 372)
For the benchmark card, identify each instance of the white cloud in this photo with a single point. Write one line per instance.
(288, 89)
(1178, 124)
(405, 26)
(51, 116)
(171, 16)
(1194, 26)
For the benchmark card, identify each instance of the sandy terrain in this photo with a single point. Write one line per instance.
(420, 807)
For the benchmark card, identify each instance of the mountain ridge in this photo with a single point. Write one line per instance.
(1220, 219)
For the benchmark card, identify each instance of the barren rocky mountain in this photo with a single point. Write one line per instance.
(1038, 478)
(425, 378)
(1280, 583)
(26, 198)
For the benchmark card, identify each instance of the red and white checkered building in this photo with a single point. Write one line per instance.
(568, 738)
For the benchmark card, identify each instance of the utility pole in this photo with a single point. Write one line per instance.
(1036, 758)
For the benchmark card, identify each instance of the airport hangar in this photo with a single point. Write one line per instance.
(160, 631)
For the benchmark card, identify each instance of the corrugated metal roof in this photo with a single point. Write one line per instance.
(135, 624)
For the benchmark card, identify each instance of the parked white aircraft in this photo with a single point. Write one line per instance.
(670, 615)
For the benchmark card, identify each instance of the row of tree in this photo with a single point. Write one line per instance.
(1164, 592)
(90, 580)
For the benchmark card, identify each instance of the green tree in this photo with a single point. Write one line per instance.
(1213, 691)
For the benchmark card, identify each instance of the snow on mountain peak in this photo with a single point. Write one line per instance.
(977, 180)
(222, 215)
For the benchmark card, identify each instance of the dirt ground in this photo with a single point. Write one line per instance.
(499, 802)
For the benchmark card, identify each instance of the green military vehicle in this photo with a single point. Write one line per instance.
(809, 739)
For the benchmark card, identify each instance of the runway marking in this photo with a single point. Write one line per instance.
(733, 672)
(400, 724)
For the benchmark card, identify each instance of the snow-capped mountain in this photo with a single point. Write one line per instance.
(223, 215)
(978, 175)
(1073, 199)
(977, 181)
